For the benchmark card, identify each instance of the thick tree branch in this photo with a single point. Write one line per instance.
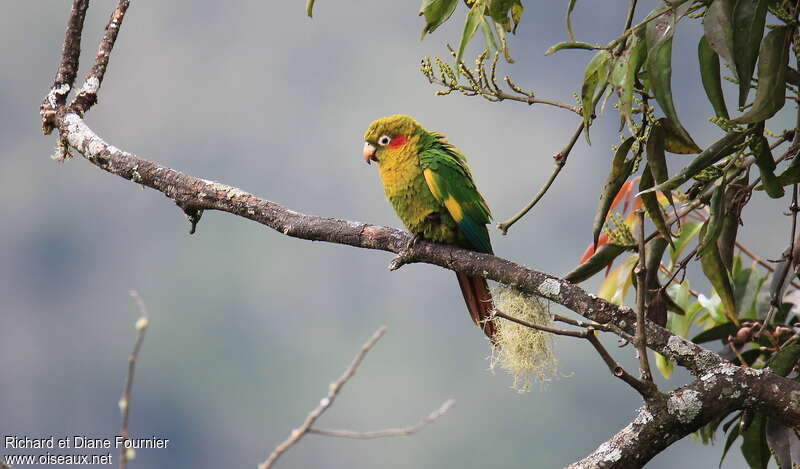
(669, 418)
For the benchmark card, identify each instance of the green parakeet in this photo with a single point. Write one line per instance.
(428, 183)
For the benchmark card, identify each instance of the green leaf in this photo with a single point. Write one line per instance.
(474, 19)
(720, 149)
(709, 73)
(632, 59)
(791, 174)
(717, 274)
(651, 205)
(571, 45)
(657, 159)
(659, 34)
(570, 7)
(594, 77)
(435, 12)
(488, 35)
(601, 259)
(772, 63)
(747, 285)
(688, 231)
(784, 443)
(718, 332)
(498, 10)
(675, 141)
(516, 14)
(749, 18)
(766, 164)
(785, 359)
(713, 226)
(620, 171)
(309, 8)
(718, 29)
(754, 443)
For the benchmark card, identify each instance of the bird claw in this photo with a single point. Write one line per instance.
(404, 256)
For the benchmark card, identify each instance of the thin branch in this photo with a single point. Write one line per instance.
(325, 403)
(645, 390)
(67, 67)
(389, 432)
(552, 330)
(560, 160)
(640, 337)
(125, 400)
(87, 96)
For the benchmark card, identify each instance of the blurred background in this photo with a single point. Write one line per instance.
(248, 327)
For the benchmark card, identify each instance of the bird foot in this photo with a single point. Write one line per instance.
(404, 256)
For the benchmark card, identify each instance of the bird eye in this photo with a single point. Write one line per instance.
(384, 140)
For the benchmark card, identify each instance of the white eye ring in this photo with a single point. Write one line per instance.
(384, 140)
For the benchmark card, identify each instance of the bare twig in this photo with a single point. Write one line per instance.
(389, 432)
(325, 403)
(552, 330)
(617, 370)
(67, 67)
(640, 338)
(87, 96)
(125, 400)
(560, 160)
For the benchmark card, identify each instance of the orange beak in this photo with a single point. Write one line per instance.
(369, 153)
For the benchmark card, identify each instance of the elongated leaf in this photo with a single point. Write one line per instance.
(570, 7)
(791, 174)
(657, 159)
(717, 274)
(601, 259)
(571, 45)
(594, 77)
(715, 220)
(651, 205)
(720, 149)
(747, 285)
(730, 225)
(749, 18)
(754, 443)
(474, 19)
(718, 29)
(498, 10)
(732, 436)
(654, 251)
(709, 73)
(620, 170)
(784, 360)
(488, 35)
(659, 34)
(766, 163)
(435, 12)
(772, 63)
(664, 366)
(784, 443)
(516, 14)
(635, 54)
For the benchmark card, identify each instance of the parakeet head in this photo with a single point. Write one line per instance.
(387, 134)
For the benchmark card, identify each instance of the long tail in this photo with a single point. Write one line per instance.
(479, 302)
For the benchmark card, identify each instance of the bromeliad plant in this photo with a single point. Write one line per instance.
(695, 212)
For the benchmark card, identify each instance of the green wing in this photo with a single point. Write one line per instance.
(451, 183)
